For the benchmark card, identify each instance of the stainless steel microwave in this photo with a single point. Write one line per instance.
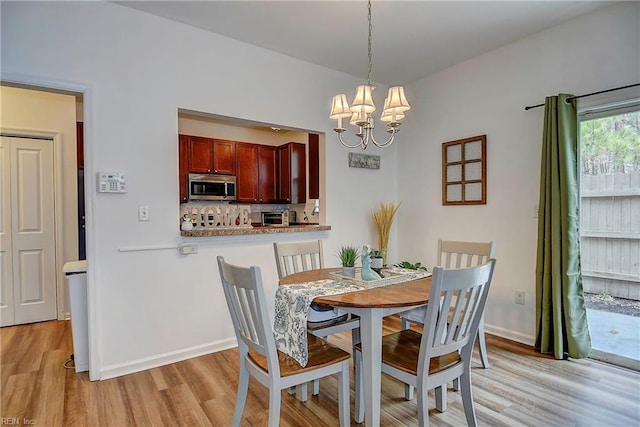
(212, 187)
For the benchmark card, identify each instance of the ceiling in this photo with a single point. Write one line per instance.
(411, 39)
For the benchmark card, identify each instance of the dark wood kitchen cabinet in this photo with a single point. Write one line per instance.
(183, 167)
(224, 157)
(256, 173)
(200, 156)
(292, 177)
(267, 174)
(314, 166)
(208, 155)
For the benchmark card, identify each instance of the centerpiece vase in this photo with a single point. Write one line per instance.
(377, 264)
(349, 271)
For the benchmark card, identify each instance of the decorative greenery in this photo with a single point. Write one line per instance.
(410, 266)
(348, 255)
(377, 253)
(383, 219)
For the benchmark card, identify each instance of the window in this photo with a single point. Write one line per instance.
(610, 227)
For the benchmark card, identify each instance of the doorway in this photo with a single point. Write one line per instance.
(610, 231)
(60, 114)
(27, 237)
(36, 115)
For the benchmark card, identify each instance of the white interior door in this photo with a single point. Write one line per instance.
(7, 312)
(32, 241)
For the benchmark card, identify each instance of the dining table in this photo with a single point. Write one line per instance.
(371, 305)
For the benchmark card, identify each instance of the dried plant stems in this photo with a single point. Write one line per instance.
(383, 219)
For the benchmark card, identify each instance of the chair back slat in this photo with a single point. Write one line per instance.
(298, 256)
(454, 322)
(458, 254)
(246, 325)
(247, 305)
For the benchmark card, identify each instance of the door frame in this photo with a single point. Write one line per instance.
(93, 311)
(56, 140)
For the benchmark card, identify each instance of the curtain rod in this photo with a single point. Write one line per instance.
(587, 94)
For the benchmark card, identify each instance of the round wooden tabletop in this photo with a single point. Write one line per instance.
(406, 294)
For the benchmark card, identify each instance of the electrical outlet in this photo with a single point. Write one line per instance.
(143, 213)
(520, 297)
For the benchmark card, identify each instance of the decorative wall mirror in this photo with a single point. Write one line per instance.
(464, 171)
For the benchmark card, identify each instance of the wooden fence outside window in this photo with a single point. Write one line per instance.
(610, 234)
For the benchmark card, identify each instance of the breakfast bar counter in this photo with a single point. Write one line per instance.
(248, 231)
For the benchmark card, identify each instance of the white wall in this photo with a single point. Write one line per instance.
(155, 306)
(29, 110)
(487, 95)
(151, 307)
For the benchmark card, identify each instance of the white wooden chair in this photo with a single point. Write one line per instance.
(456, 254)
(257, 348)
(443, 351)
(295, 257)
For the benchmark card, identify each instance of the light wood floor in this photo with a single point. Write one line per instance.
(520, 388)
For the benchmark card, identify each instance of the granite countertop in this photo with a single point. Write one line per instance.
(247, 231)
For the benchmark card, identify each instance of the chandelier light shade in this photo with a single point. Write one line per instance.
(397, 100)
(362, 108)
(390, 114)
(358, 118)
(363, 101)
(340, 109)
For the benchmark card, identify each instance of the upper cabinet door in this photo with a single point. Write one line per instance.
(208, 155)
(267, 174)
(224, 157)
(200, 154)
(247, 176)
(256, 173)
(292, 175)
(183, 167)
(314, 166)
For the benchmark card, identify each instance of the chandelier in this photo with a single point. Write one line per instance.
(362, 108)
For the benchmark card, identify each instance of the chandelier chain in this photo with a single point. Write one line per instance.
(361, 112)
(369, 43)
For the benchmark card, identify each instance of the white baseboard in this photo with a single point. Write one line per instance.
(132, 367)
(510, 335)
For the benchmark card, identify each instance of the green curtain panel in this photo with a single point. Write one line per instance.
(561, 317)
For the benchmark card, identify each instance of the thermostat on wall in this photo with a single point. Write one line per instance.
(111, 182)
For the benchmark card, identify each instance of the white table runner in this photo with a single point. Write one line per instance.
(293, 302)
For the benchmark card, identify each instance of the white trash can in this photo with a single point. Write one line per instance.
(76, 273)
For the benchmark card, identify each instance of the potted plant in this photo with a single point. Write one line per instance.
(348, 256)
(411, 266)
(383, 219)
(377, 259)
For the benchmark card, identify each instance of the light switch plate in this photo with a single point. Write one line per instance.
(188, 250)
